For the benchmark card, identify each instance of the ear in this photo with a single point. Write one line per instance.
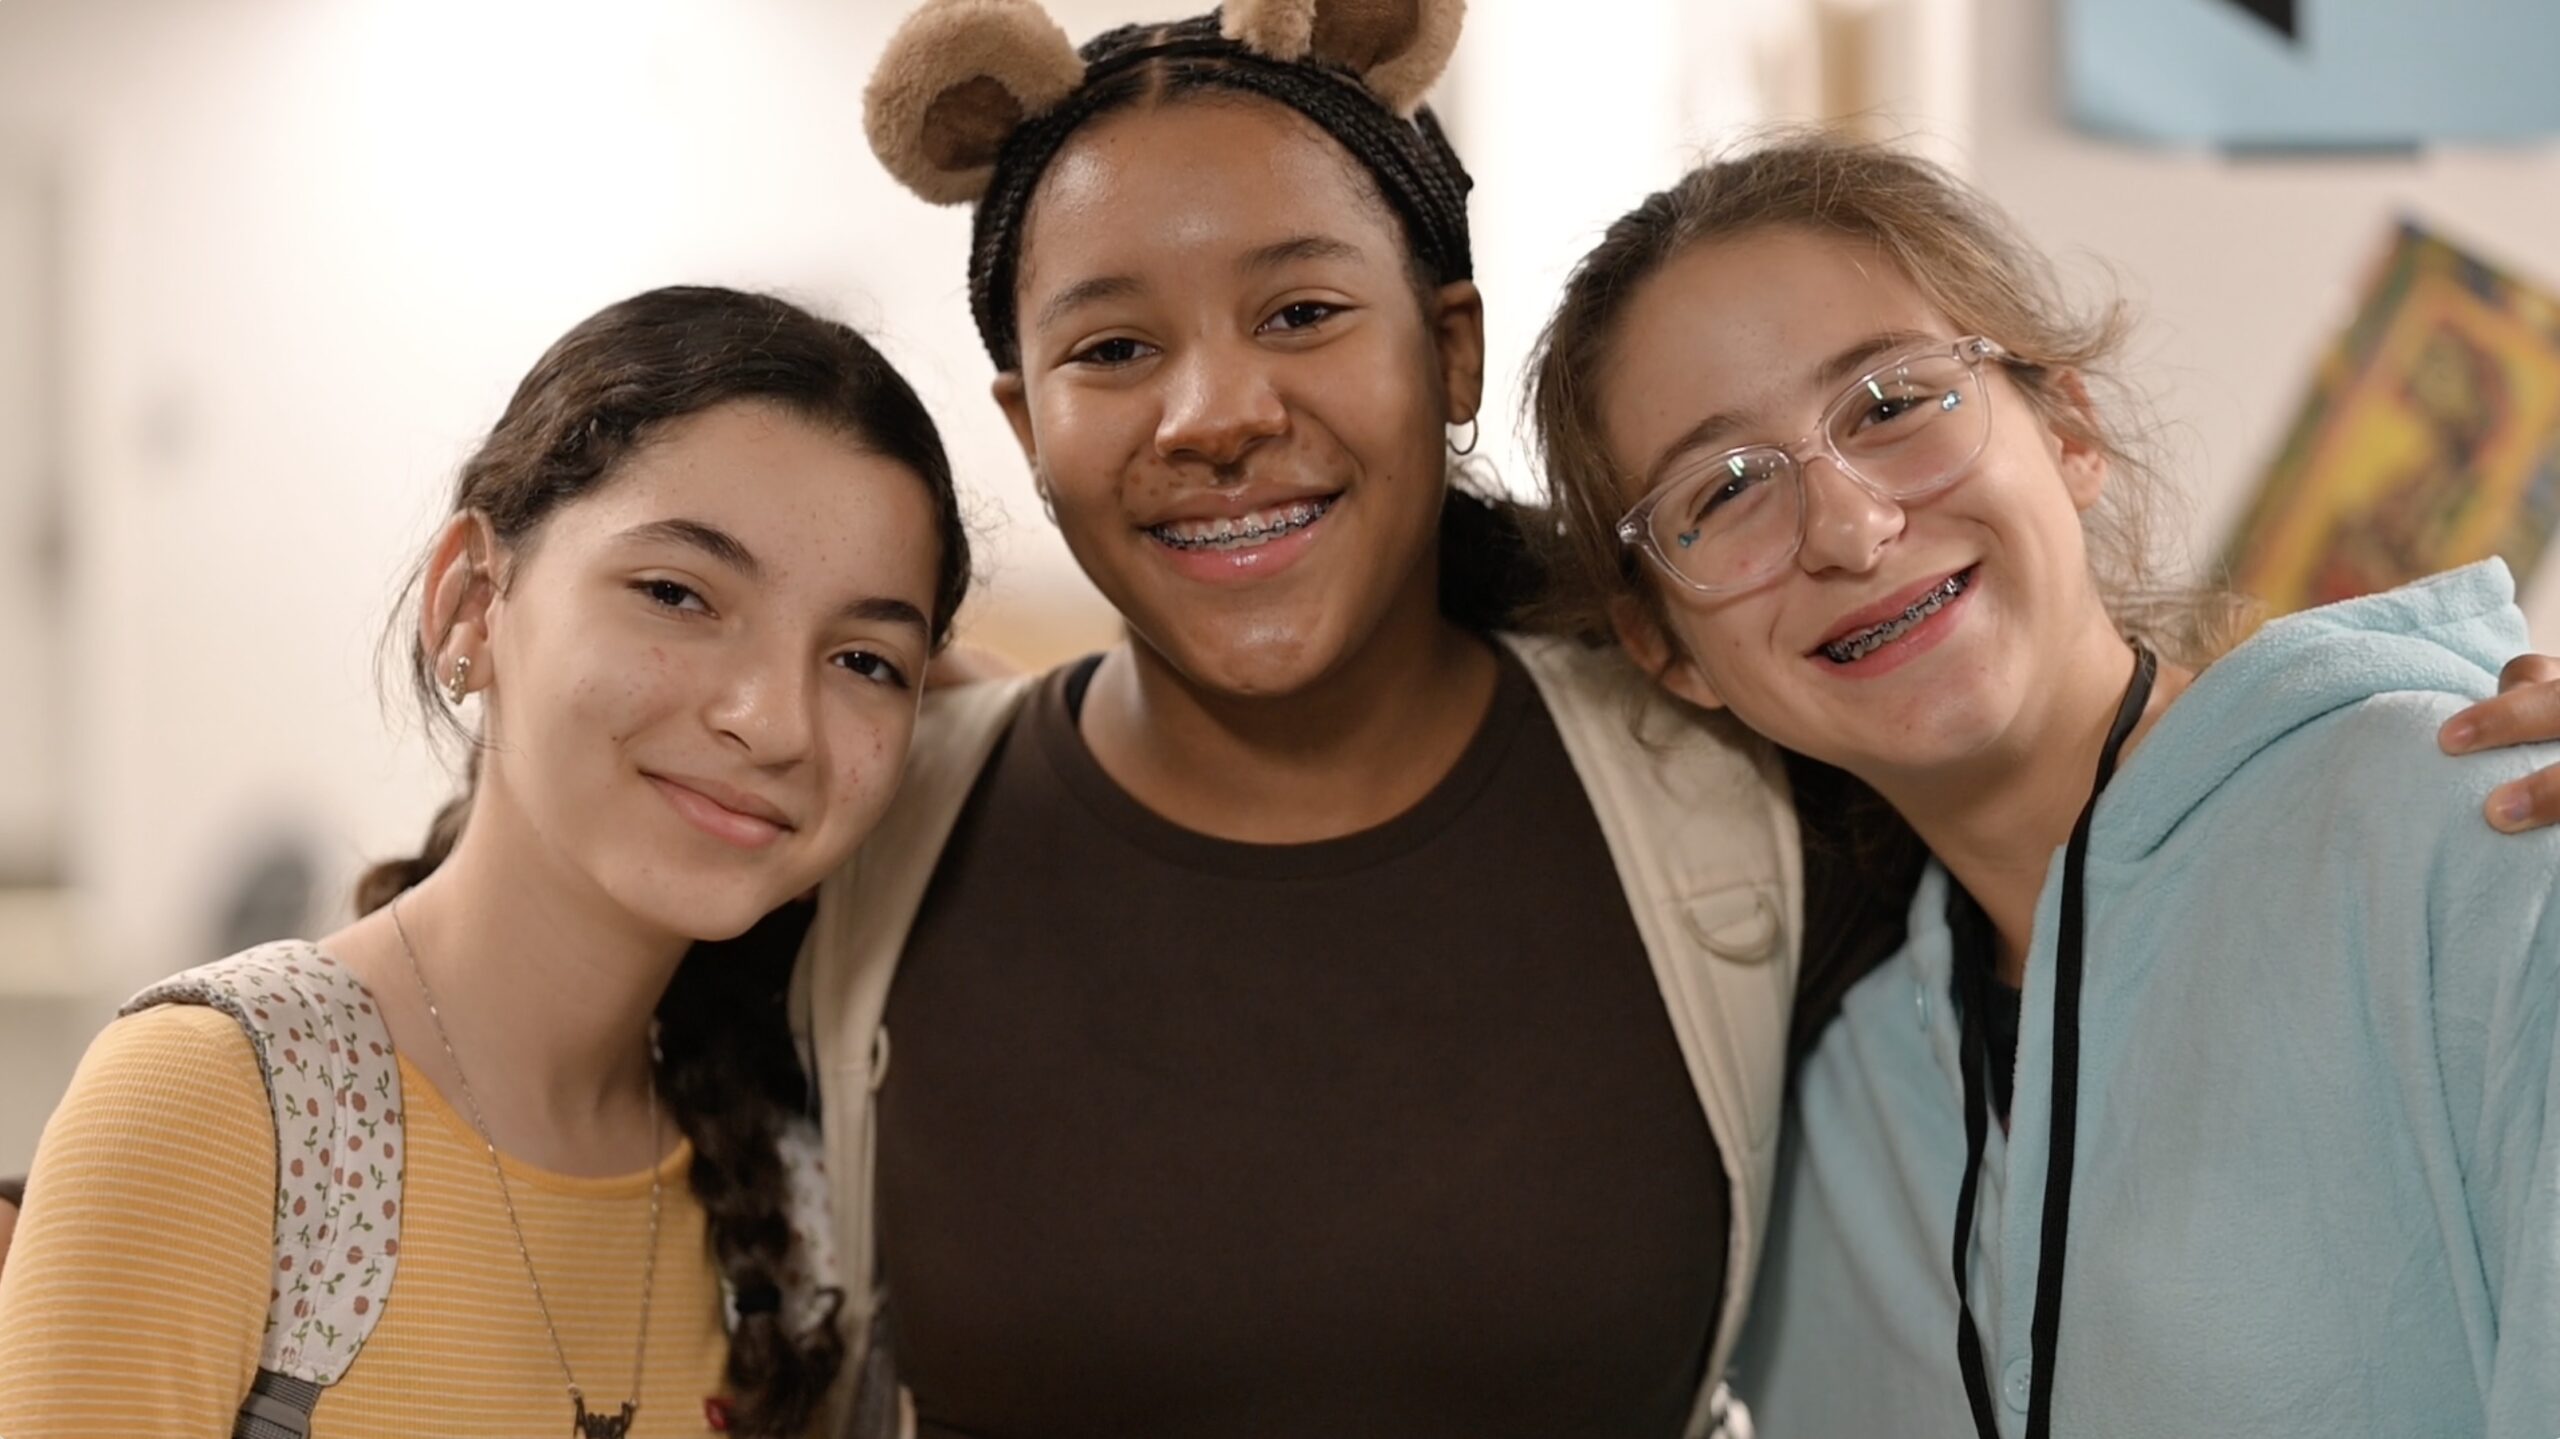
(1398, 48)
(955, 82)
(2076, 451)
(1457, 322)
(1015, 401)
(1659, 656)
(460, 585)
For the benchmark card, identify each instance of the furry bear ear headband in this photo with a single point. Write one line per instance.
(961, 76)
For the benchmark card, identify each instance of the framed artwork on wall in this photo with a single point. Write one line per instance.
(2430, 437)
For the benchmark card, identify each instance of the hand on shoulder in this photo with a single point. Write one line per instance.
(2525, 710)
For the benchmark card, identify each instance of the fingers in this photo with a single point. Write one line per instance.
(2526, 710)
(2528, 803)
(2528, 669)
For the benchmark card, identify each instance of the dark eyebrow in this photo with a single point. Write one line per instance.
(882, 609)
(1843, 365)
(1295, 248)
(1264, 258)
(711, 540)
(720, 545)
(1086, 292)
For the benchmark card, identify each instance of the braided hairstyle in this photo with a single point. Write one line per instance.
(728, 1068)
(1411, 162)
(1489, 573)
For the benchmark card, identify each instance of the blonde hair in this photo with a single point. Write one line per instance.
(1965, 258)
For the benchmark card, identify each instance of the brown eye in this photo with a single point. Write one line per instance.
(667, 594)
(873, 666)
(1118, 350)
(1301, 315)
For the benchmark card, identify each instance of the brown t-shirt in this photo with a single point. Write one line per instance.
(1383, 1135)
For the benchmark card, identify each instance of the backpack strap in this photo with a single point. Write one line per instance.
(334, 1085)
(840, 991)
(1705, 841)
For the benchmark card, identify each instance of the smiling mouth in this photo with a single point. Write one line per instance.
(1849, 649)
(713, 817)
(1242, 532)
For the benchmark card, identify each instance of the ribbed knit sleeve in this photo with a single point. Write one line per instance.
(136, 1292)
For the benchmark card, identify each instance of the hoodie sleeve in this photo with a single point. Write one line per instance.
(2494, 928)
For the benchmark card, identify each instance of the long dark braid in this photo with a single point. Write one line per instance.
(731, 1076)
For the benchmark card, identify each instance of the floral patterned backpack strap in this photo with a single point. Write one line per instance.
(334, 1085)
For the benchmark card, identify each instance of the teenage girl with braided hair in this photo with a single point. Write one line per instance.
(1320, 1013)
(2213, 1091)
(691, 582)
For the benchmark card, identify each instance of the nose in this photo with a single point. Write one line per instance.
(1846, 524)
(1219, 403)
(766, 705)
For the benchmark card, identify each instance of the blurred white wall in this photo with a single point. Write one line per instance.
(1569, 113)
(312, 243)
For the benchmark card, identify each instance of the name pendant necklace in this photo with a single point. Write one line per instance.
(583, 1424)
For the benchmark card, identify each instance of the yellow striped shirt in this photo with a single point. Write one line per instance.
(135, 1295)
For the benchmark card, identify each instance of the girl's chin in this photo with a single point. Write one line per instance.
(1886, 742)
(689, 914)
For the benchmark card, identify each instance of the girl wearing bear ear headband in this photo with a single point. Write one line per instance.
(1324, 1013)
(1321, 1014)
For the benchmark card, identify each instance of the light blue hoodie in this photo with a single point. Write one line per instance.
(2318, 1185)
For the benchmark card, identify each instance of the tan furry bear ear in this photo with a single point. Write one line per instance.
(1397, 47)
(956, 81)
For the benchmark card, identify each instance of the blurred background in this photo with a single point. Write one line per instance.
(268, 268)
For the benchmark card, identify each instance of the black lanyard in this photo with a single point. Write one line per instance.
(2046, 1331)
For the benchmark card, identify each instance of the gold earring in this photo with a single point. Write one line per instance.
(460, 684)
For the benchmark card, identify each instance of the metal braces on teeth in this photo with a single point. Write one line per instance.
(1247, 531)
(1867, 642)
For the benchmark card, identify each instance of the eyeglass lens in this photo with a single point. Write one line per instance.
(1904, 432)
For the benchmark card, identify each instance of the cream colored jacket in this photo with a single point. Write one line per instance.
(1704, 840)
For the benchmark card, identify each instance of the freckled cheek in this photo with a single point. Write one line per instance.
(1103, 456)
(623, 694)
(1146, 490)
(866, 767)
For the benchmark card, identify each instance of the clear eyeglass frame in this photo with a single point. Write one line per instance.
(1635, 528)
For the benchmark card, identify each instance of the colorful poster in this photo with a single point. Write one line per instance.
(2431, 437)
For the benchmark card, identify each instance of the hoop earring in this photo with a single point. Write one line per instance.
(1048, 502)
(1469, 448)
(460, 684)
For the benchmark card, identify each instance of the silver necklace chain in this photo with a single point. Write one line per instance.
(601, 1426)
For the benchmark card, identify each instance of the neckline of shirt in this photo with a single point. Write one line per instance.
(1062, 747)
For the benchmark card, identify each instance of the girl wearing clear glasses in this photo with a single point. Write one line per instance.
(2211, 1090)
